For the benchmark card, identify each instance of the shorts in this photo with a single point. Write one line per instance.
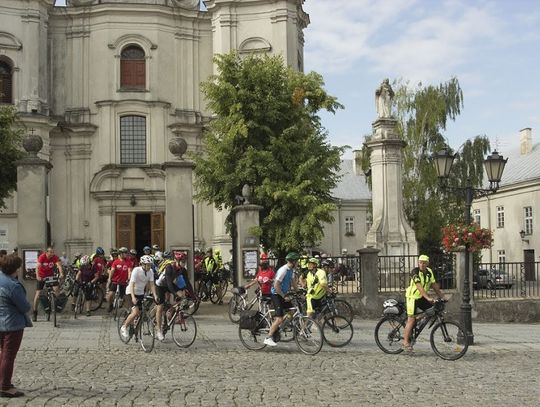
(114, 286)
(414, 303)
(314, 304)
(161, 294)
(140, 299)
(280, 305)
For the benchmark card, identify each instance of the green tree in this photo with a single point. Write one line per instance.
(10, 151)
(267, 134)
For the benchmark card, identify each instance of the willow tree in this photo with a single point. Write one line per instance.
(10, 151)
(267, 134)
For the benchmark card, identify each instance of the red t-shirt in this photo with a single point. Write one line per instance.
(98, 265)
(265, 278)
(47, 265)
(132, 262)
(120, 269)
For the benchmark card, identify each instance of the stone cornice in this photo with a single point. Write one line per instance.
(9, 41)
(151, 103)
(178, 164)
(33, 162)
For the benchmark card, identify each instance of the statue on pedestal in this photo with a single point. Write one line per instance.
(383, 99)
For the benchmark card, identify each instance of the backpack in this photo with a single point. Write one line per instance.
(250, 319)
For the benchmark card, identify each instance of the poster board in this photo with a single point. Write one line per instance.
(250, 262)
(30, 257)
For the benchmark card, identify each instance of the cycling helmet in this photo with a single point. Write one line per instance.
(155, 247)
(180, 256)
(292, 256)
(158, 256)
(147, 249)
(123, 250)
(100, 251)
(328, 263)
(146, 260)
(314, 260)
(85, 260)
(133, 252)
(114, 251)
(167, 254)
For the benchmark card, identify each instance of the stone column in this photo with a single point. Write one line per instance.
(179, 202)
(246, 245)
(390, 231)
(32, 202)
(370, 281)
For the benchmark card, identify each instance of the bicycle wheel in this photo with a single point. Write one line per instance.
(193, 305)
(97, 298)
(286, 331)
(67, 285)
(444, 340)
(344, 309)
(337, 331)
(215, 293)
(79, 301)
(222, 290)
(184, 330)
(236, 305)
(116, 306)
(146, 333)
(308, 335)
(254, 339)
(388, 334)
(53, 308)
(119, 322)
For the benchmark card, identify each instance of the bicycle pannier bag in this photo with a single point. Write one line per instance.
(250, 319)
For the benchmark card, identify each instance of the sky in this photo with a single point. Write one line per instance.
(492, 47)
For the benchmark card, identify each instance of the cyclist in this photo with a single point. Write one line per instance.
(264, 277)
(329, 266)
(422, 279)
(46, 264)
(86, 276)
(99, 264)
(209, 266)
(76, 258)
(155, 249)
(171, 280)
(141, 277)
(132, 259)
(282, 282)
(316, 285)
(119, 276)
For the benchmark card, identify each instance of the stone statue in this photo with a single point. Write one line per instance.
(383, 99)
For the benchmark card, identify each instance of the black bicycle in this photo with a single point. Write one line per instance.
(142, 328)
(447, 338)
(50, 297)
(183, 326)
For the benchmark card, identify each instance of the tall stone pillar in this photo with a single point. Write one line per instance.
(390, 232)
(371, 306)
(245, 242)
(32, 202)
(179, 202)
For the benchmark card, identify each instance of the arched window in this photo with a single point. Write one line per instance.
(132, 140)
(132, 68)
(6, 80)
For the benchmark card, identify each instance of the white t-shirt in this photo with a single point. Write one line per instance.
(141, 278)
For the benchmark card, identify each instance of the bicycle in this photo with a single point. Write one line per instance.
(447, 338)
(118, 300)
(87, 292)
(338, 305)
(50, 295)
(142, 328)
(68, 282)
(183, 326)
(212, 287)
(239, 302)
(306, 332)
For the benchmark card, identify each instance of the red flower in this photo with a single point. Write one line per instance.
(471, 235)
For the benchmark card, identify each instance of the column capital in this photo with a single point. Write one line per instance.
(33, 161)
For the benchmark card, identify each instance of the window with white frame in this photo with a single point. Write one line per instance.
(132, 140)
(528, 220)
(476, 216)
(349, 225)
(500, 216)
(501, 256)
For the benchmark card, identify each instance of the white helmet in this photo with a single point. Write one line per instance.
(158, 256)
(146, 260)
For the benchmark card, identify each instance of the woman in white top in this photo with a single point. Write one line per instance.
(140, 277)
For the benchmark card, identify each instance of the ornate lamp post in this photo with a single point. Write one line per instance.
(494, 166)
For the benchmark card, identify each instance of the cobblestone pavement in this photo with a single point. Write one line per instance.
(83, 363)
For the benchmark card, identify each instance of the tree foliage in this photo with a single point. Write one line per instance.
(10, 151)
(267, 134)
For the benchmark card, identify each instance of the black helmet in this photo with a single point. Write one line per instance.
(167, 254)
(100, 251)
(327, 263)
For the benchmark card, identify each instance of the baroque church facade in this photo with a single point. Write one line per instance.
(108, 85)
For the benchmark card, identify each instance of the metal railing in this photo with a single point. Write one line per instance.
(506, 280)
(395, 271)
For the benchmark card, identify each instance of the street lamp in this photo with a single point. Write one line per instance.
(494, 166)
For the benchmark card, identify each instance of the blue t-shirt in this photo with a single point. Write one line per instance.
(284, 275)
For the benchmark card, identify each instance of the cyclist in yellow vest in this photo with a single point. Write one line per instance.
(422, 279)
(316, 286)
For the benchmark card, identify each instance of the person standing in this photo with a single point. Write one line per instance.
(13, 319)
(46, 264)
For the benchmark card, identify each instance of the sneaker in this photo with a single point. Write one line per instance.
(34, 316)
(269, 342)
(159, 336)
(124, 331)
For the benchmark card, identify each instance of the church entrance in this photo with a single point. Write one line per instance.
(135, 230)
